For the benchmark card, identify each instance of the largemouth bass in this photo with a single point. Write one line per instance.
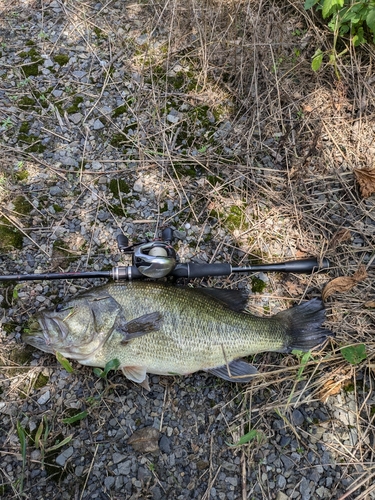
(158, 328)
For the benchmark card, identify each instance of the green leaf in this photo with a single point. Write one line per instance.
(64, 362)
(111, 365)
(359, 38)
(22, 437)
(38, 435)
(60, 445)
(354, 353)
(344, 29)
(98, 372)
(309, 3)
(249, 436)
(331, 6)
(370, 19)
(298, 353)
(75, 418)
(317, 60)
(332, 58)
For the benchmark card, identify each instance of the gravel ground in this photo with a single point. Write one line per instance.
(103, 135)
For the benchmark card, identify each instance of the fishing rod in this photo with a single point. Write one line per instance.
(158, 259)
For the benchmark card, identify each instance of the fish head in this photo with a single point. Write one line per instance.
(76, 328)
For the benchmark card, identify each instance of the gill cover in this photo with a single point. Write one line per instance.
(77, 328)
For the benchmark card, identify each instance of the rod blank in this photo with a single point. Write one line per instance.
(189, 270)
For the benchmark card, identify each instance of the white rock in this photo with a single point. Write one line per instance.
(44, 398)
(98, 124)
(138, 186)
(76, 118)
(173, 118)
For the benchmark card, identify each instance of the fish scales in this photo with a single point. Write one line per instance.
(153, 327)
(195, 332)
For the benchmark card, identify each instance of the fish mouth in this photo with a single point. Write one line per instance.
(44, 333)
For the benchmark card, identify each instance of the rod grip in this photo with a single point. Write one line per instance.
(192, 270)
(305, 265)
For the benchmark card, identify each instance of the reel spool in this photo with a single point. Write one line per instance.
(155, 259)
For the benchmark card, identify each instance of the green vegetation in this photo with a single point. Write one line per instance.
(345, 19)
(121, 139)
(188, 170)
(99, 33)
(22, 355)
(10, 237)
(41, 381)
(214, 180)
(33, 54)
(61, 59)
(236, 219)
(25, 103)
(57, 208)
(7, 327)
(7, 123)
(303, 359)
(252, 435)
(33, 141)
(74, 107)
(65, 363)
(257, 285)
(120, 111)
(32, 68)
(111, 365)
(23, 443)
(76, 416)
(117, 186)
(24, 128)
(354, 354)
(22, 205)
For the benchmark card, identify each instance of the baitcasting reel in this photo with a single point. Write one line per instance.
(154, 259)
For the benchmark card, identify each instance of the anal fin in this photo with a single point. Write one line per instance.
(136, 374)
(236, 371)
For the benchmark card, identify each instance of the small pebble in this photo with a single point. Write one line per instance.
(75, 118)
(297, 417)
(44, 398)
(63, 457)
(98, 125)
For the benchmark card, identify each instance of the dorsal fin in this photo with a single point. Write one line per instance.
(236, 300)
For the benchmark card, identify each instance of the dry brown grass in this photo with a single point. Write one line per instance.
(287, 162)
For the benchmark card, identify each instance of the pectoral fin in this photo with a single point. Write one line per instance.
(136, 374)
(141, 326)
(236, 371)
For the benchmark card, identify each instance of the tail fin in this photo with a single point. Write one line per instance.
(304, 324)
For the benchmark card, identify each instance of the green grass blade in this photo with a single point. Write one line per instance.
(249, 436)
(64, 362)
(38, 435)
(75, 418)
(60, 445)
(23, 442)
